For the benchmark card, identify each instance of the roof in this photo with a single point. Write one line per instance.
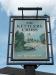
(16, 71)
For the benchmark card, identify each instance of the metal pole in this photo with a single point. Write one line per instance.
(37, 14)
(29, 8)
(30, 69)
(22, 13)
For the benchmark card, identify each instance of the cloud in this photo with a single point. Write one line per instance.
(11, 6)
(52, 19)
(47, 68)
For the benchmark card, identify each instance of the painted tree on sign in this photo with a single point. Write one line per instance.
(19, 41)
(42, 38)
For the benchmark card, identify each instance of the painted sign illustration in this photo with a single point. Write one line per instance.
(30, 39)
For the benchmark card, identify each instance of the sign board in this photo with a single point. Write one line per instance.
(29, 41)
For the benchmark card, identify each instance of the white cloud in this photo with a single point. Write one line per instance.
(49, 7)
(52, 19)
(11, 6)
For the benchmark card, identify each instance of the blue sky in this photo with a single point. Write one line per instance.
(9, 7)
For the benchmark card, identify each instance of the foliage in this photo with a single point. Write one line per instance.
(42, 38)
(19, 41)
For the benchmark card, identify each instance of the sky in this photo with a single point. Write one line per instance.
(10, 7)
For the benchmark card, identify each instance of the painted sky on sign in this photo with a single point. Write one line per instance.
(10, 7)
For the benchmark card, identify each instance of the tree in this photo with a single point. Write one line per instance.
(42, 38)
(19, 41)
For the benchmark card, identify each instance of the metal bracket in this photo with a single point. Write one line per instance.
(30, 8)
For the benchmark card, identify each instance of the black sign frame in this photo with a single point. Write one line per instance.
(38, 62)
